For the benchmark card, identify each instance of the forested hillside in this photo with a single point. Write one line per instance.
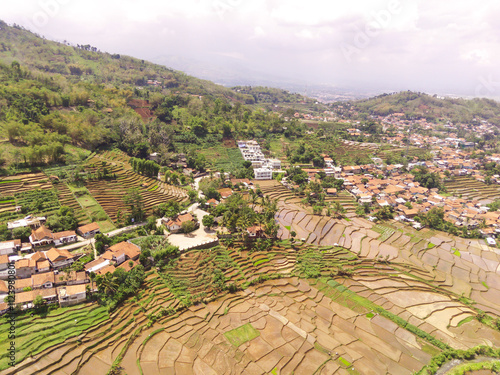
(56, 99)
(431, 107)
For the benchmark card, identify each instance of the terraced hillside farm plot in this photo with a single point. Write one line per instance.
(109, 192)
(220, 157)
(66, 198)
(90, 208)
(13, 186)
(460, 267)
(345, 152)
(276, 191)
(470, 188)
(35, 334)
(346, 200)
(381, 317)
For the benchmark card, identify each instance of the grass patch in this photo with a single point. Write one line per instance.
(153, 188)
(9, 181)
(430, 245)
(457, 253)
(241, 334)
(260, 261)
(344, 362)
(466, 320)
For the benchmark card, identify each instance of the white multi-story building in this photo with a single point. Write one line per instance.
(275, 163)
(263, 174)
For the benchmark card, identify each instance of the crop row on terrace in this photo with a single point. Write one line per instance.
(18, 191)
(110, 192)
(66, 198)
(470, 188)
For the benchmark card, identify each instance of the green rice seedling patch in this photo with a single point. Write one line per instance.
(466, 320)
(260, 261)
(344, 362)
(241, 334)
(385, 232)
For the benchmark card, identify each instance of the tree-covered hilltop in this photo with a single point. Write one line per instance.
(84, 63)
(271, 95)
(55, 97)
(431, 107)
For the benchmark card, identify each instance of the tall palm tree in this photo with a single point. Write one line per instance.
(107, 284)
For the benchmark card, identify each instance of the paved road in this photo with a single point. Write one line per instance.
(83, 242)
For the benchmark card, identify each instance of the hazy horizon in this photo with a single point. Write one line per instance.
(365, 46)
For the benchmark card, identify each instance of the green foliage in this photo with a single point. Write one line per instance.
(449, 354)
(135, 204)
(167, 209)
(145, 167)
(427, 179)
(116, 287)
(188, 226)
(208, 221)
(63, 219)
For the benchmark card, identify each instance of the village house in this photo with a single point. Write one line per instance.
(25, 299)
(97, 264)
(32, 222)
(174, 225)
(212, 202)
(10, 247)
(43, 236)
(331, 191)
(225, 193)
(72, 294)
(21, 285)
(263, 174)
(130, 250)
(72, 278)
(89, 230)
(4, 291)
(60, 258)
(42, 264)
(43, 280)
(25, 268)
(255, 231)
(4, 262)
(61, 238)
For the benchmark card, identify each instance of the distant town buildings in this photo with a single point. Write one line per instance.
(263, 167)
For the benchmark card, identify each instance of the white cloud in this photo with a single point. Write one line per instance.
(416, 43)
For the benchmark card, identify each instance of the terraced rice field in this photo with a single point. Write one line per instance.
(276, 191)
(110, 192)
(470, 188)
(66, 198)
(385, 317)
(346, 200)
(13, 186)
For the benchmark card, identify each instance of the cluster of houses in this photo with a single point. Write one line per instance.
(44, 271)
(42, 274)
(263, 168)
(399, 189)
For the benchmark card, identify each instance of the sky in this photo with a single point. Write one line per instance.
(443, 47)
